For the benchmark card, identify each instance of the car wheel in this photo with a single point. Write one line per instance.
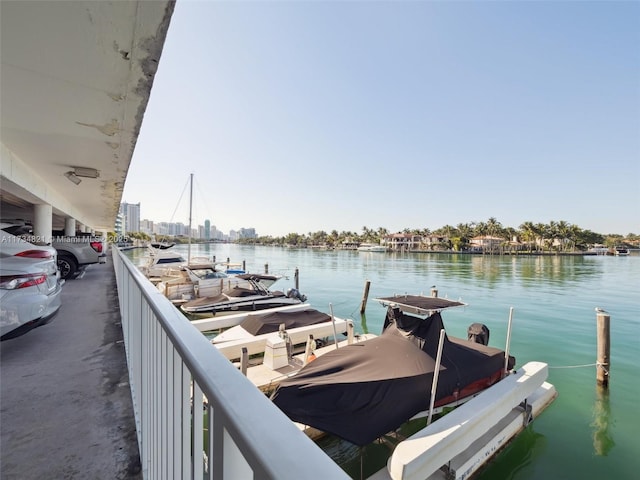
(67, 266)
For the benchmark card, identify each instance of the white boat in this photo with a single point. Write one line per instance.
(218, 323)
(397, 368)
(294, 327)
(621, 251)
(239, 299)
(162, 245)
(206, 280)
(412, 370)
(161, 263)
(371, 247)
(599, 250)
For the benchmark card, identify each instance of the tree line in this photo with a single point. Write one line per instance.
(555, 235)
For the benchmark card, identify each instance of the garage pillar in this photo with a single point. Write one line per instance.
(70, 227)
(43, 222)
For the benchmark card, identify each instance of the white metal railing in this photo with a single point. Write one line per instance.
(232, 432)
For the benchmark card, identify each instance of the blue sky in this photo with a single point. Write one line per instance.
(322, 115)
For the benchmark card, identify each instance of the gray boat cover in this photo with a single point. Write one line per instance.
(260, 324)
(365, 390)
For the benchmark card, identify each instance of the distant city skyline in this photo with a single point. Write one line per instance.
(129, 221)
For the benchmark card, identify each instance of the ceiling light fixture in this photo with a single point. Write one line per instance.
(72, 177)
(86, 172)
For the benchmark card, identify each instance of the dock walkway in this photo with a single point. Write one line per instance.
(66, 409)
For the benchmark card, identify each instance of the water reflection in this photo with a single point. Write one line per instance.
(517, 456)
(602, 439)
(363, 323)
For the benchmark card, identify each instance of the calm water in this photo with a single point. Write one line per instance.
(586, 433)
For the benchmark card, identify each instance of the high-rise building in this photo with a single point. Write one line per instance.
(247, 233)
(119, 225)
(207, 230)
(146, 226)
(131, 212)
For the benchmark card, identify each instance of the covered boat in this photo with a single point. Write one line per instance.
(256, 325)
(293, 327)
(365, 390)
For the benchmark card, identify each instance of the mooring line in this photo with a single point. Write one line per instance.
(576, 366)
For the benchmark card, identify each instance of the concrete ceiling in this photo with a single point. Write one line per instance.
(75, 80)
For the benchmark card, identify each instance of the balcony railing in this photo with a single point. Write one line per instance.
(196, 415)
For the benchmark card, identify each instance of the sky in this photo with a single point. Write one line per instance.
(306, 116)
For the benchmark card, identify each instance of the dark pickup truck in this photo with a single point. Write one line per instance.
(74, 253)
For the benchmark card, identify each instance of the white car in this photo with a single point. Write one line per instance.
(30, 285)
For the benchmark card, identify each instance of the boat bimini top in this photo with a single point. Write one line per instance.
(418, 304)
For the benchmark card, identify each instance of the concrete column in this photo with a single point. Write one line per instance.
(70, 227)
(43, 222)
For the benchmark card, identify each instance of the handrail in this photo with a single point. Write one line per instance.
(196, 415)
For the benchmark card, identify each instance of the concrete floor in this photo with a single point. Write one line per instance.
(65, 402)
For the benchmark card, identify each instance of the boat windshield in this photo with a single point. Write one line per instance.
(208, 273)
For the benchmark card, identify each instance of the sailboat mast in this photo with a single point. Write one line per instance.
(190, 212)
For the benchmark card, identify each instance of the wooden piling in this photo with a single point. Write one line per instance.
(365, 297)
(603, 366)
(296, 279)
(266, 269)
(244, 361)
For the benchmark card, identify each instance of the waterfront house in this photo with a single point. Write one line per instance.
(485, 244)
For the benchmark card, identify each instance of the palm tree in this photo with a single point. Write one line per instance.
(528, 230)
(465, 232)
(493, 227)
(563, 230)
(573, 234)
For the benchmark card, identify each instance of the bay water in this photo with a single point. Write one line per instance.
(588, 432)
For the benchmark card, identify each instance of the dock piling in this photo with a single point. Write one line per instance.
(365, 297)
(296, 279)
(603, 321)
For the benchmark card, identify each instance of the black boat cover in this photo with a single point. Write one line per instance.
(365, 390)
(419, 304)
(260, 324)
